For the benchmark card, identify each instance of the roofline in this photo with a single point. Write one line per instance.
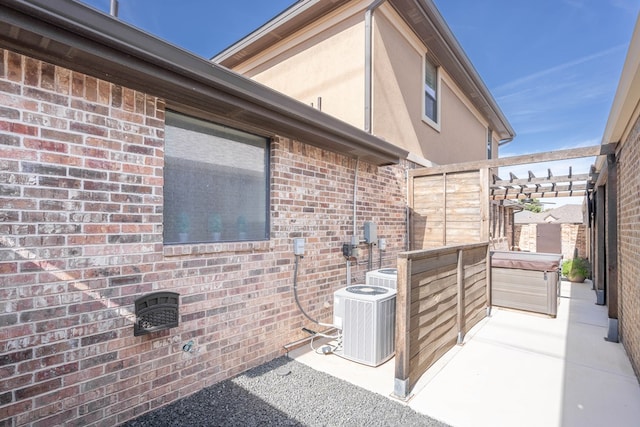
(627, 94)
(291, 12)
(432, 16)
(458, 52)
(625, 101)
(70, 34)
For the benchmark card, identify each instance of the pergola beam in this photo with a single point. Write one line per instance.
(541, 195)
(556, 179)
(553, 189)
(549, 156)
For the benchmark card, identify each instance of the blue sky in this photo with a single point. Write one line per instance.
(552, 65)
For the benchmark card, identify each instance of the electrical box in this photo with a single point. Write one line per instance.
(370, 232)
(382, 244)
(298, 246)
(347, 250)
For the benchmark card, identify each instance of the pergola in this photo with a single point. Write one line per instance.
(599, 185)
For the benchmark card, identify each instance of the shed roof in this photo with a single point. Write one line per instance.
(69, 34)
(567, 214)
(421, 16)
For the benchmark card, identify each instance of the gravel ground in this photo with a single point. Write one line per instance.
(284, 392)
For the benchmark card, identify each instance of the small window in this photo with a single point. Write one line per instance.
(215, 183)
(431, 92)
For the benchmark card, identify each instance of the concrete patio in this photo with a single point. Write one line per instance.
(518, 368)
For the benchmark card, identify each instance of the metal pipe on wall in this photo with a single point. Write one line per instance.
(113, 10)
(368, 64)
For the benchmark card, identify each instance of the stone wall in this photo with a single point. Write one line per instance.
(81, 238)
(629, 245)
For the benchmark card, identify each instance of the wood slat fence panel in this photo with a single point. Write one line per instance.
(441, 294)
(448, 208)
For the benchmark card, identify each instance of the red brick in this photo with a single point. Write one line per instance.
(38, 389)
(7, 412)
(226, 289)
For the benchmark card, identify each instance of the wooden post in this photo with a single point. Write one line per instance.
(444, 211)
(489, 284)
(612, 247)
(485, 214)
(460, 302)
(600, 260)
(401, 386)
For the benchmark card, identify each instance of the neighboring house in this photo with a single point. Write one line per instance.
(501, 225)
(392, 68)
(560, 230)
(616, 223)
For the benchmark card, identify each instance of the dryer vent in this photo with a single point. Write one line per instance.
(156, 312)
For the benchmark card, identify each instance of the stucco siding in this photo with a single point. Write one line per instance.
(398, 97)
(327, 64)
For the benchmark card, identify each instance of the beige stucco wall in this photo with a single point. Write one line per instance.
(398, 99)
(326, 60)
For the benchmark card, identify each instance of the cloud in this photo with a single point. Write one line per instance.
(626, 5)
(527, 80)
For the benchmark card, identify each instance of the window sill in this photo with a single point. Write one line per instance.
(431, 123)
(216, 248)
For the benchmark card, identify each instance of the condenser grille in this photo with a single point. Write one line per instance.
(386, 278)
(368, 329)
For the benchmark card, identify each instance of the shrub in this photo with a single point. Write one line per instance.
(576, 269)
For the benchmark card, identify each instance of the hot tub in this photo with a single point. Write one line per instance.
(526, 281)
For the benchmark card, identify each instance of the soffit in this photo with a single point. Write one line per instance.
(72, 35)
(299, 15)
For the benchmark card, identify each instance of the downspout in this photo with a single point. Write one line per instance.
(368, 64)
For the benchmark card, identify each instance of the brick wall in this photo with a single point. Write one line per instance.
(574, 239)
(81, 239)
(629, 245)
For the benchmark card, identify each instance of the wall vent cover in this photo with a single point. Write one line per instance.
(156, 312)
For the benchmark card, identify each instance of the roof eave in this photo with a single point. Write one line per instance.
(456, 62)
(75, 36)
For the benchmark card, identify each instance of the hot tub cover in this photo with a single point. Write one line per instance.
(526, 261)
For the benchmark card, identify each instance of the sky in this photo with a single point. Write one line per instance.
(553, 66)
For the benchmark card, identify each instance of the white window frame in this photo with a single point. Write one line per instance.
(428, 120)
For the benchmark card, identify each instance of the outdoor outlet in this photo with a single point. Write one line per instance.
(382, 244)
(298, 246)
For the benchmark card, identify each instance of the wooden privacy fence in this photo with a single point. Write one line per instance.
(442, 293)
(448, 208)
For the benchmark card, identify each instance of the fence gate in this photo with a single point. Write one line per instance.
(549, 238)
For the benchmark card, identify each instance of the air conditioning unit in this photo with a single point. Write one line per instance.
(385, 277)
(367, 317)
